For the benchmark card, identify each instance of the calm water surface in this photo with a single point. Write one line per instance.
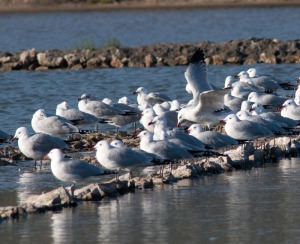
(133, 28)
(261, 205)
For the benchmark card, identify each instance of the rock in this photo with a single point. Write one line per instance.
(244, 51)
(150, 60)
(28, 58)
(13, 212)
(53, 200)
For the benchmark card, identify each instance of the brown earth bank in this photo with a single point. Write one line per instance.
(244, 51)
(98, 5)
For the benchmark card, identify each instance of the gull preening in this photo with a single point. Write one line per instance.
(52, 125)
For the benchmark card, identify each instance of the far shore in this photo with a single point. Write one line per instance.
(143, 5)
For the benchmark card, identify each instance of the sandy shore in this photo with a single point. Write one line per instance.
(146, 4)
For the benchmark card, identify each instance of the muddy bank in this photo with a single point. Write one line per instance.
(244, 51)
(105, 5)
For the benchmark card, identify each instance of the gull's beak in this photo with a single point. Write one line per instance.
(298, 80)
(92, 149)
(251, 109)
(222, 122)
(151, 123)
(79, 99)
(134, 93)
(187, 131)
(281, 107)
(46, 157)
(178, 124)
(14, 138)
(236, 76)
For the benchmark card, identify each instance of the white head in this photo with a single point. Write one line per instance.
(140, 90)
(117, 143)
(195, 129)
(102, 145)
(148, 112)
(243, 75)
(159, 121)
(124, 100)
(21, 131)
(231, 118)
(145, 135)
(252, 96)
(175, 105)
(40, 114)
(257, 108)
(55, 154)
(242, 114)
(107, 101)
(62, 106)
(246, 105)
(252, 72)
(229, 81)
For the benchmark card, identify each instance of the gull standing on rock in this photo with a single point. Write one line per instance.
(164, 149)
(52, 125)
(38, 145)
(71, 170)
(120, 158)
(77, 117)
(243, 130)
(212, 138)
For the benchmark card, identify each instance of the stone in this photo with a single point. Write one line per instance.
(150, 60)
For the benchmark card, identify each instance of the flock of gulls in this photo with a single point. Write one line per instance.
(246, 109)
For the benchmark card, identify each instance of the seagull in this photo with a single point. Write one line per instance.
(290, 110)
(267, 82)
(71, 170)
(212, 138)
(77, 117)
(258, 109)
(99, 109)
(147, 116)
(163, 148)
(209, 109)
(266, 99)
(244, 130)
(120, 158)
(276, 128)
(208, 104)
(37, 146)
(233, 103)
(52, 125)
(146, 99)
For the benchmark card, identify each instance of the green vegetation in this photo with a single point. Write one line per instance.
(88, 43)
(112, 42)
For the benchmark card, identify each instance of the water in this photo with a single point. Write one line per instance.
(65, 30)
(260, 205)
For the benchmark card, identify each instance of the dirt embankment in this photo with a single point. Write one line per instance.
(92, 5)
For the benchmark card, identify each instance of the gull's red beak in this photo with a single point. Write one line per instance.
(251, 109)
(178, 124)
(151, 123)
(46, 157)
(281, 107)
(236, 76)
(14, 138)
(187, 131)
(298, 80)
(222, 122)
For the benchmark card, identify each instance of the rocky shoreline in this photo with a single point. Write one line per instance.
(244, 51)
